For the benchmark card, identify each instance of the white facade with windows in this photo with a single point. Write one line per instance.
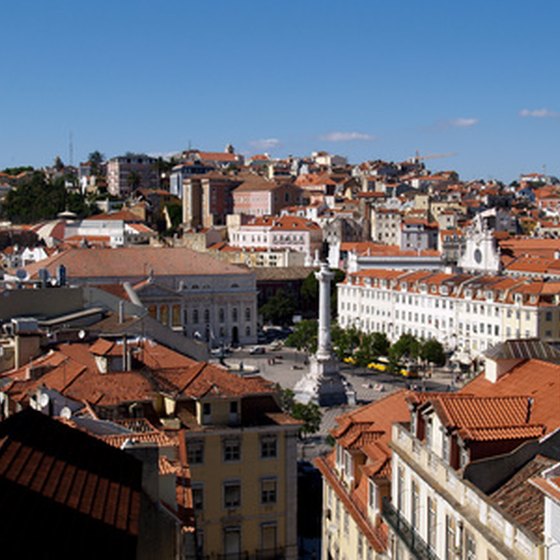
(464, 312)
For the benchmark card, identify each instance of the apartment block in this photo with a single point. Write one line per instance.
(127, 173)
(466, 313)
(464, 465)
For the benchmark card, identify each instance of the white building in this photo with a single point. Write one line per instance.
(466, 313)
(289, 233)
(191, 292)
(462, 466)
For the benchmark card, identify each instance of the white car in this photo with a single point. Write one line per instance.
(256, 350)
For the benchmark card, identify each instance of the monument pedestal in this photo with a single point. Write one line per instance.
(324, 385)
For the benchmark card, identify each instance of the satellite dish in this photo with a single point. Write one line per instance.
(66, 413)
(81, 334)
(43, 400)
(21, 274)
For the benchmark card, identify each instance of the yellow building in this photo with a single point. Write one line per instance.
(242, 453)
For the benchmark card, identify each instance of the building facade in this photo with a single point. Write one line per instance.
(466, 313)
(127, 173)
(463, 465)
(191, 292)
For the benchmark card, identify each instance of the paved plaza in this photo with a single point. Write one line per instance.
(286, 367)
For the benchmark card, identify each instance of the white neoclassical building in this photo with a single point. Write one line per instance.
(464, 312)
(191, 292)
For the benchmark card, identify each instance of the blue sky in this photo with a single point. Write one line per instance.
(366, 79)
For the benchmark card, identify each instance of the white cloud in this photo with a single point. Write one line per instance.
(538, 113)
(346, 136)
(265, 143)
(463, 122)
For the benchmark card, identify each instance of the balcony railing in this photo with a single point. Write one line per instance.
(408, 535)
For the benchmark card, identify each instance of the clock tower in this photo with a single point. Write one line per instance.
(481, 253)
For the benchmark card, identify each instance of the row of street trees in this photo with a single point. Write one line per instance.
(366, 347)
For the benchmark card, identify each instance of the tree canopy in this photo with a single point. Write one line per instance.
(279, 309)
(37, 199)
(432, 351)
(304, 336)
(310, 414)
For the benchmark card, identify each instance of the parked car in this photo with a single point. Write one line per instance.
(257, 350)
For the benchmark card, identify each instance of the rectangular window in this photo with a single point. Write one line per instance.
(195, 452)
(346, 522)
(445, 447)
(232, 542)
(232, 449)
(449, 538)
(268, 491)
(470, 546)
(429, 432)
(232, 495)
(414, 504)
(268, 447)
(360, 545)
(176, 315)
(432, 523)
(164, 315)
(198, 497)
(400, 488)
(268, 538)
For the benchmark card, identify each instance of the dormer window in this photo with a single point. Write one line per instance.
(206, 413)
(372, 496)
(413, 423)
(429, 433)
(445, 448)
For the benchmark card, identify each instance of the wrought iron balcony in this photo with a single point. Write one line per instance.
(407, 534)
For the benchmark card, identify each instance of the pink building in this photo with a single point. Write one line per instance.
(257, 196)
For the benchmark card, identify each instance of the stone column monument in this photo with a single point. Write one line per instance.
(323, 384)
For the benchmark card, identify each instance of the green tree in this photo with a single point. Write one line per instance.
(96, 159)
(37, 199)
(371, 346)
(310, 295)
(310, 414)
(58, 163)
(407, 347)
(304, 336)
(345, 341)
(432, 351)
(279, 309)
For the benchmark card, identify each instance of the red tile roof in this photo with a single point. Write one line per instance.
(129, 262)
(70, 481)
(537, 379)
